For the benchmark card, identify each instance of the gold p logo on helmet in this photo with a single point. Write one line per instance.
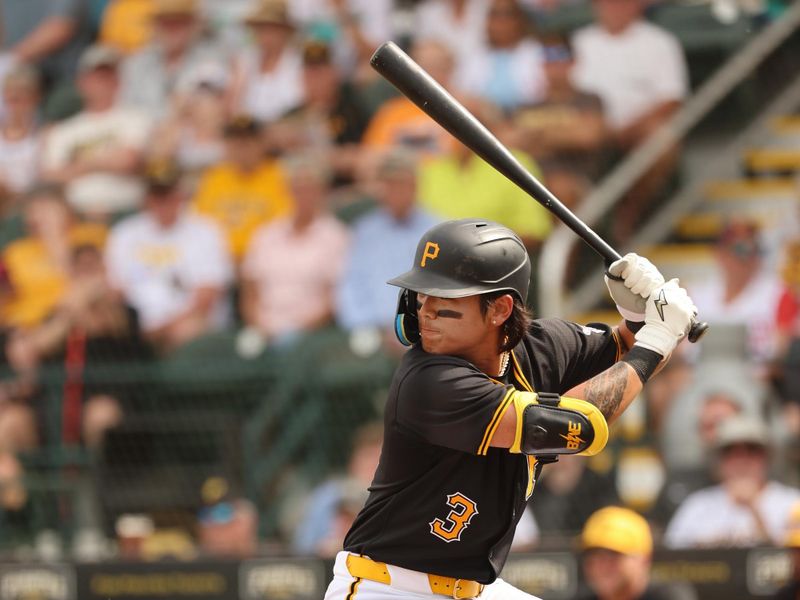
(431, 251)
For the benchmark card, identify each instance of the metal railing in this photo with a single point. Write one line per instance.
(554, 258)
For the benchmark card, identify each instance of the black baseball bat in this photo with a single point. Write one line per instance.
(400, 70)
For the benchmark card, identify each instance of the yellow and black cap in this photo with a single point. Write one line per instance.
(161, 175)
(242, 126)
(316, 52)
(461, 258)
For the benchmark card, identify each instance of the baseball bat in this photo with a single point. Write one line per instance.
(423, 90)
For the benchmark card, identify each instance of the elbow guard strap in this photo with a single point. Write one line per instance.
(553, 424)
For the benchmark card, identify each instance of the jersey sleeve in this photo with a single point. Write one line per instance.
(575, 352)
(452, 405)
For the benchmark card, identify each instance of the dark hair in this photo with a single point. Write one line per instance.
(518, 322)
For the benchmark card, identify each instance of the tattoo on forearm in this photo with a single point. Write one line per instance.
(607, 389)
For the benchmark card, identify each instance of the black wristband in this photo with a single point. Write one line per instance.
(643, 361)
(634, 326)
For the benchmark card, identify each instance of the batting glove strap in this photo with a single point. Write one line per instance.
(548, 424)
(643, 361)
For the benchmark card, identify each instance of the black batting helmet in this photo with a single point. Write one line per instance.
(461, 258)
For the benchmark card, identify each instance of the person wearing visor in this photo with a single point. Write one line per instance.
(481, 401)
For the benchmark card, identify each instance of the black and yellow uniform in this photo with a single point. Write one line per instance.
(443, 500)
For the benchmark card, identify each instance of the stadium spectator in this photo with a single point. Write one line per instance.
(244, 191)
(566, 132)
(400, 122)
(227, 524)
(19, 132)
(37, 271)
(742, 291)
(746, 508)
(568, 494)
(640, 73)
(171, 266)
(127, 25)
(97, 153)
(192, 134)
(617, 553)
(458, 24)
(507, 70)
(38, 265)
(726, 393)
(268, 76)
(716, 388)
(353, 28)
(330, 121)
(150, 76)
(482, 192)
(50, 34)
(382, 242)
(323, 520)
(293, 263)
(90, 326)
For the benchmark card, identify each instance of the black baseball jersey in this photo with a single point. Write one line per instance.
(443, 501)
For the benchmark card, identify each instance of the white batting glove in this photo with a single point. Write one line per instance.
(639, 278)
(668, 315)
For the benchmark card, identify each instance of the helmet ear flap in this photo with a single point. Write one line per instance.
(406, 323)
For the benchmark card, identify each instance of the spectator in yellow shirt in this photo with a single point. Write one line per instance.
(37, 265)
(245, 190)
(460, 185)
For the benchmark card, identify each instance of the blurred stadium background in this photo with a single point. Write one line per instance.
(193, 414)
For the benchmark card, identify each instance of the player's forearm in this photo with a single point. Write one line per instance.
(611, 391)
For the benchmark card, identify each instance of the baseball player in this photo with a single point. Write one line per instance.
(484, 397)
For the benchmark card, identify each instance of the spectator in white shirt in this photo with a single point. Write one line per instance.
(19, 131)
(743, 290)
(459, 24)
(150, 76)
(172, 266)
(353, 28)
(746, 508)
(268, 77)
(97, 153)
(639, 72)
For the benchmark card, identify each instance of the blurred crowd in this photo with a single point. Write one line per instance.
(172, 168)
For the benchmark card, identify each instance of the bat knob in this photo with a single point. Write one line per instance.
(697, 330)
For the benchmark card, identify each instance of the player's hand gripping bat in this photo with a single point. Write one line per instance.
(408, 77)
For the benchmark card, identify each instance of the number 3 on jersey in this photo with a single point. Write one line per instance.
(456, 520)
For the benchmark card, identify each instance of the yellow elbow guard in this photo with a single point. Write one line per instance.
(553, 424)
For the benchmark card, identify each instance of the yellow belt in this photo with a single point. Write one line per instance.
(363, 567)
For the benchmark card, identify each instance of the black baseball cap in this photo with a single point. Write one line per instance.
(242, 126)
(316, 52)
(161, 175)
